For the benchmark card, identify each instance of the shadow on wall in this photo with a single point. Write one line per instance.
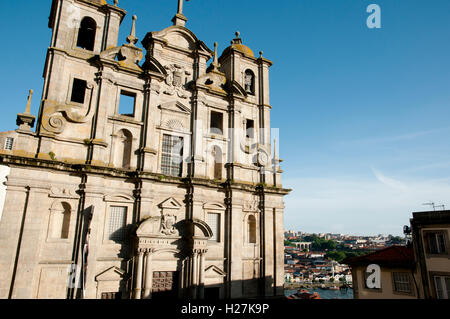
(167, 286)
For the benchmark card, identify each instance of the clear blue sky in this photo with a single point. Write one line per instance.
(364, 114)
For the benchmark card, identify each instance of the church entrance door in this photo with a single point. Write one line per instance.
(165, 284)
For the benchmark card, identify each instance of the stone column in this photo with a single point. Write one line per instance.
(148, 275)
(139, 270)
(194, 274)
(201, 284)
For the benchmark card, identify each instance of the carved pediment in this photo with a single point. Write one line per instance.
(170, 203)
(214, 271)
(177, 37)
(118, 198)
(181, 39)
(214, 206)
(110, 274)
(175, 106)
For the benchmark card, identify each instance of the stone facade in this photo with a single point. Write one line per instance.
(179, 195)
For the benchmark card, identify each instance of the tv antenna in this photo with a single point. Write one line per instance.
(435, 206)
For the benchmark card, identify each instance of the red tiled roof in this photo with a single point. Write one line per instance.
(395, 256)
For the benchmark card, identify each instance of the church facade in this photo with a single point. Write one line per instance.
(150, 174)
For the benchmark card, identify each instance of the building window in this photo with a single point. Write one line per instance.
(442, 285)
(9, 142)
(78, 91)
(435, 242)
(86, 34)
(213, 220)
(216, 126)
(249, 82)
(172, 155)
(251, 229)
(402, 282)
(250, 128)
(117, 222)
(127, 103)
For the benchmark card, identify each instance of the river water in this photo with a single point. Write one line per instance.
(327, 294)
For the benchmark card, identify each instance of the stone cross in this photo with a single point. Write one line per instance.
(180, 6)
(179, 19)
(132, 37)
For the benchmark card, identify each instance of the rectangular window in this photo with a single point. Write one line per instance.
(9, 142)
(402, 282)
(436, 243)
(216, 126)
(172, 155)
(127, 103)
(78, 91)
(250, 129)
(442, 286)
(213, 221)
(117, 223)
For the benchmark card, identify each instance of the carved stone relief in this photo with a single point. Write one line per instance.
(175, 81)
(167, 224)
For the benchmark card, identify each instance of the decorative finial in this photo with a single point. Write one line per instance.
(261, 54)
(237, 40)
(131, 39)
(28, 108)
(216, 57)
(180, 6)
(116, 2)
(25, 120)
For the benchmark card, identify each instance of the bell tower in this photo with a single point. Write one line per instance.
(248, 80)
(81, 30)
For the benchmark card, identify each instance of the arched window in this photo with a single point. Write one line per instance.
(60, 221)
(249, 82)
(217, 153)
(86, 34)
(251, 229)
(123, 150)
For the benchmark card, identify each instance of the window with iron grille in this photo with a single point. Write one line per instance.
(9, 142)
(117, 223)
(213, 221)
(442, 286)
(402, 282)
(172, 155)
